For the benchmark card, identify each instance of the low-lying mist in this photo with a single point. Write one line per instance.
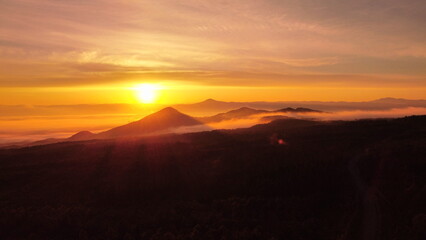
(33, 128)
(36, 128)
(319, 116)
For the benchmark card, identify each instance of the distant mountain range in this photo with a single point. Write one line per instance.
(233, 114)
(245, 112)
(156, 123)
(205, 108)
(165, 119)
(173, 120)
(211, 106)
(168, 120)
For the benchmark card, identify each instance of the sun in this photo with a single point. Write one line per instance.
(147, 93)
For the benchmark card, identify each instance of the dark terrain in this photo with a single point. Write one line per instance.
(289, 179)
(167, 120)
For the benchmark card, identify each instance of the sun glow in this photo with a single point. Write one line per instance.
(147, 93)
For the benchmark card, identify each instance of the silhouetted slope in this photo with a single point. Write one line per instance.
(44, 141)
(167, 118)
(210, 106)
(297, 110)
(243, 112)
(326, 180)
(81, 136)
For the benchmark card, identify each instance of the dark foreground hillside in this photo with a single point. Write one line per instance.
(291, 179)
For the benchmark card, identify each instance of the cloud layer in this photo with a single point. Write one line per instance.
(36, 128)
(274, 43)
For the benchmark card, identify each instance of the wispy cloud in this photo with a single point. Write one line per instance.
(268, 43)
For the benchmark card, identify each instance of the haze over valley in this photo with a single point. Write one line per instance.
(32, 123)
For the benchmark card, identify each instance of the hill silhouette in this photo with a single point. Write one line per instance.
(81, 136)
(165, 119)
(289, 179)
(297, 110)
(245, 112)
(242, 112)
(211, 106)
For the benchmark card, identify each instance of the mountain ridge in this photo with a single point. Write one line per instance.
(166, 118)
(211, 106)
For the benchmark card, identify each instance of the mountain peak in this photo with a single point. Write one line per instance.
(165, 119)
(210, 100)
(244, 109)
(165, 114)
(83, 135)
(299, 109)
(168, 110)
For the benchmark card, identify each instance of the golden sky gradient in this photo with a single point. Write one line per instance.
(75, 51)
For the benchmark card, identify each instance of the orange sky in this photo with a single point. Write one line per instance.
(73, 52)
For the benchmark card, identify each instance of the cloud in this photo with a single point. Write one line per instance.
(60, 42)
(359, 114)
(320, 116)
(310, 62)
